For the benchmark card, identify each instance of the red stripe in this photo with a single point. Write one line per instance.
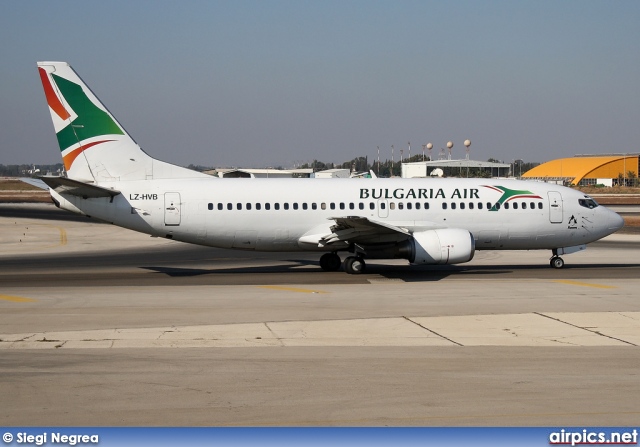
(52, 98)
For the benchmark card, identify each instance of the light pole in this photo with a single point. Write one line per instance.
(467, 144)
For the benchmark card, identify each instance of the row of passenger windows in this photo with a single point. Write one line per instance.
(372, 206)
(506, 205)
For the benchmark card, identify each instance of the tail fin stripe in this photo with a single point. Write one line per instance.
(71, 156)
(52, 98)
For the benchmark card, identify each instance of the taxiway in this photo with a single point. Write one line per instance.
(102, 326)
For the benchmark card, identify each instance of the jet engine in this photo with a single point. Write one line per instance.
(443, 246)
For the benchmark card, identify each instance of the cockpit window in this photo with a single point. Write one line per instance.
(588, 202)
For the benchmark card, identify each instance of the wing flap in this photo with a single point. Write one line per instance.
(357, 229)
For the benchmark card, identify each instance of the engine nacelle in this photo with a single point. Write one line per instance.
(443, 246)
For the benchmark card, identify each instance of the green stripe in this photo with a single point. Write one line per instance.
(91, 121)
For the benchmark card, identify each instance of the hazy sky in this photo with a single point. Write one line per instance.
(270, 83)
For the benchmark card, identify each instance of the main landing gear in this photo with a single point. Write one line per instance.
(354, 265)
(330, 262)
(556, 262)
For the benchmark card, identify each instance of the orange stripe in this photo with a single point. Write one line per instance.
(52, 98)
(71, 156)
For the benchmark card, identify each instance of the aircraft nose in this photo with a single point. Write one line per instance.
(615, 221)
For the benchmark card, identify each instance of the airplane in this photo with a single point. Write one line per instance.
(422, 220)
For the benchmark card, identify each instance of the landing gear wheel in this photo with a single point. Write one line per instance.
(557, 262)
(330, 262)
(354, 265)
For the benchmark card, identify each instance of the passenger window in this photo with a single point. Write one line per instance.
(210, 206)
(488, 205)
(383, 205)
(286, 205)
(239, 206)
(470, 205)
(409, 205)
(276, 206)
(453, 205)
(229, 206)
(220, 206)
(444, 205)
(461, 205)
(372, 206)
(426, 205)
(532, 205)
(248, 206)
(497, 205)
(314, 206)
(295, 205)
(361, 205)
(352, 206)
(341, 205)
(539, 205)
(515, 205)
(323, 206)
(479, 205)
(400, 205)
(332, 206)
(304, 206)
(506, 206)
(417, 205)
(392, 205)
(267, 206)
(258, 206)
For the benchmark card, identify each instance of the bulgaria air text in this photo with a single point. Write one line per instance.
(420, 193)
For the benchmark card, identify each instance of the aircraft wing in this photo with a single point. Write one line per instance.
(63, 185)
(358, 229)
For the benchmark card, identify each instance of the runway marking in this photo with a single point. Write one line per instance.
(63, 236)
(292, 289)
(584, 284)
(61, 243)
(385, 280)
(16, 299)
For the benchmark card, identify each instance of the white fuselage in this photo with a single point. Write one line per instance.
(274, 214)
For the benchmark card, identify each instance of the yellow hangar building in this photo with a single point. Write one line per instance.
(583, 170)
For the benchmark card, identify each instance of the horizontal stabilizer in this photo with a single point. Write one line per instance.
(63, 185)
(35, 182)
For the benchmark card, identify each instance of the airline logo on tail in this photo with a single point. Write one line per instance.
(77, 120)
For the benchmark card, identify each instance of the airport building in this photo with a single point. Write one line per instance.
(260, 173)
(584, 170)
(435, 168)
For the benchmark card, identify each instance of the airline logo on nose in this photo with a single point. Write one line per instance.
(510, 194)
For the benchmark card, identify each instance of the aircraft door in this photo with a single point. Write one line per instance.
(383, 208)
(555, 207)
(172, 208)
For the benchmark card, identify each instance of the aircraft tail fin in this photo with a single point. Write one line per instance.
(94, 146)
